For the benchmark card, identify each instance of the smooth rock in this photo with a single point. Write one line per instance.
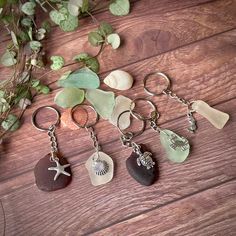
(119, 79)
(102, 101)
(122, 104)
(44, 178)
(141, 174)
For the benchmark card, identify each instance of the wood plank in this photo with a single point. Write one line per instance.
(207, 213)
(210, 77)
(84, 208)
(145, 35)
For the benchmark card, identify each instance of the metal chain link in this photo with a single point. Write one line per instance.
(94, 139)
(177, 98)
(154, 126)
(53, 141)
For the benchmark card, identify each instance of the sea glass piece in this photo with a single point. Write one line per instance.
(82, 78)
(140, 173)
(215, 117)
(122, 104)
(44, 178)
(102, 101)
(80, 115)
(177, 148)
(100, 172)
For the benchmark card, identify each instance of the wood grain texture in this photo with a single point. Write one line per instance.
(86, 208)
(209, 77)
(211, 212)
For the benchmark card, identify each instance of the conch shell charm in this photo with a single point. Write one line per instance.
(119, 79)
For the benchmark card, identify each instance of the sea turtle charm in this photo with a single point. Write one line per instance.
(145, 159)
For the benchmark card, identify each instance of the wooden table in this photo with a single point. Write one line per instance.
(194, 42)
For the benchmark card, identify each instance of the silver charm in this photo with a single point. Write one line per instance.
(145, 159)
(193, 126)
(59, 169)
(178, 142)
(100, 167)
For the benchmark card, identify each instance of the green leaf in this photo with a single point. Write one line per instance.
(120, 7)
(69, 24)
(27, 22)
(95, 39)
(28, 8)
(57, 16)
(8, 58)
(114, 40)
(69, 97)
(82, 78)
(35, 45)
(85, 6)
(35, 83)
(11, 123)
(105, 29)
(14, 39)
(24, 37)
(44, 89)
(74, 6)
(58, 62)
(91, 62)
(46, 25)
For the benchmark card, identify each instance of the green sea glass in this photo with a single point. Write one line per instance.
(82, 78)
(102, 101)
(176, 147)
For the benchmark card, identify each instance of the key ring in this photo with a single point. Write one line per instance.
(131, 134)
(153, 115)
(161, 75)
(86, 126)
(35, 124)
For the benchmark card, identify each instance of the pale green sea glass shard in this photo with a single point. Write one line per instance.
(102, 101)
(176, 147)
(82, 78)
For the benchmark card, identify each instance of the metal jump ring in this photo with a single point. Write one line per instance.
(154, 114)
(133, 134)
(34, 115)
(162, 75)
(86, 125)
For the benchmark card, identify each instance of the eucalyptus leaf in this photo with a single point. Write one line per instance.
(119, 7)
(26, 22)
(58, 62)
(56, 16)
(8, 58)
(105, 29)
(28, 8)
(114, 40)
(91, 62)
(69, 97)
(95, 39)
(35, 45)
(11, 123)
(82, 78)
(69, 24)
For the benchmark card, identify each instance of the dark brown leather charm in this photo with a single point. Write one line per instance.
(44, 178)
(140, 173)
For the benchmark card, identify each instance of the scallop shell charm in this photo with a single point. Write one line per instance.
(119, 79)
(100, 167)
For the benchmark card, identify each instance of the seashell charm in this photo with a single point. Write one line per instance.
(119, 79)
(100, 167)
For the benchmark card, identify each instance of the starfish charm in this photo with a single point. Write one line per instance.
(59, 169)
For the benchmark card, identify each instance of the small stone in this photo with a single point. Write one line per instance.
(140, 173)
(80, 115)
(44, 178)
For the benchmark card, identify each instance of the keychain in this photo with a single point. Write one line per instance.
(176, 147)
(215, 117)
(140, 164)
(99, 165)
(52, 172)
